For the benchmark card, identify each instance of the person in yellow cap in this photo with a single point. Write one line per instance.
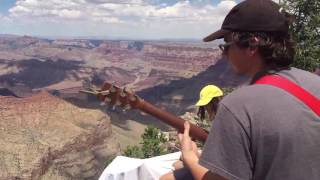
(208, 102)
(210, 96)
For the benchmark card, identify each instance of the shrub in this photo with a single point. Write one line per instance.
(153, 144)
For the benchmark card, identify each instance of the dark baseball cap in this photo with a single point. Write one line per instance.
(253, 16)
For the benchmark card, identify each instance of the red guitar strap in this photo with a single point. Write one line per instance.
(275, 80)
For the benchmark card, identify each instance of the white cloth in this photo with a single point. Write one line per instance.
(125, 168)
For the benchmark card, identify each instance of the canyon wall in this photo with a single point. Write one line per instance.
(43, 137)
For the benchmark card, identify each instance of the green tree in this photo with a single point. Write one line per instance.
(133, 151)
(153, 144)
(305, 31)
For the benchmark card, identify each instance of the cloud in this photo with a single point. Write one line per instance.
(139, 15)
(38, 9)
(116, 1)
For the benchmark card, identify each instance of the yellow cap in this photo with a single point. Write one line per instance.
(207, 93)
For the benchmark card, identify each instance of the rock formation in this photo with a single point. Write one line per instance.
(43, 137)
(39, 63)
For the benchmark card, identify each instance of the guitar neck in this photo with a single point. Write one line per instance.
(172, 120)
(112, 94)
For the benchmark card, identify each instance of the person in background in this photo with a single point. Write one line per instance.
(207, 104)
(260, 131)
(209, 99)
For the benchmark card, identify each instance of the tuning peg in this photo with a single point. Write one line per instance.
(122, 93)
(133, 98)
(105, 93)
(94, 89)
(118, 103)
(107, 100)
(128, 90)
(127, 107)
(113, 107)
(112, 88)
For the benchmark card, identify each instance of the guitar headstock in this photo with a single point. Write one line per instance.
(116, 96)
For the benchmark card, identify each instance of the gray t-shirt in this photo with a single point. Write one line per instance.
(262, 132)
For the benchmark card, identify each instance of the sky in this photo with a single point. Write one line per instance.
(114, 19)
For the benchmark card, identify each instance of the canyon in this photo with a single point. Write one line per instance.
(44, 137)
(51, 131)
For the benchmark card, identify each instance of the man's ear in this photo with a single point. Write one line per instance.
(253, 46)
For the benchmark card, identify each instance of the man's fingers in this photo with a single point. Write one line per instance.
(186, 128)
(180, 136)
(194, 146)
(195, 149)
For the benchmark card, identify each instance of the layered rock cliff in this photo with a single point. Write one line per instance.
(43, 137)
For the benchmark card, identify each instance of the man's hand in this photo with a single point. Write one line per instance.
(189, 148)
(190, 157)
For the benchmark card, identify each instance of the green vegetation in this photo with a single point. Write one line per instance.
(227, 90)
(133, 151)
(306, 32)
(153, 144)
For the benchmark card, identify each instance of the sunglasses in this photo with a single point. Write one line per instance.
(224, 47)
